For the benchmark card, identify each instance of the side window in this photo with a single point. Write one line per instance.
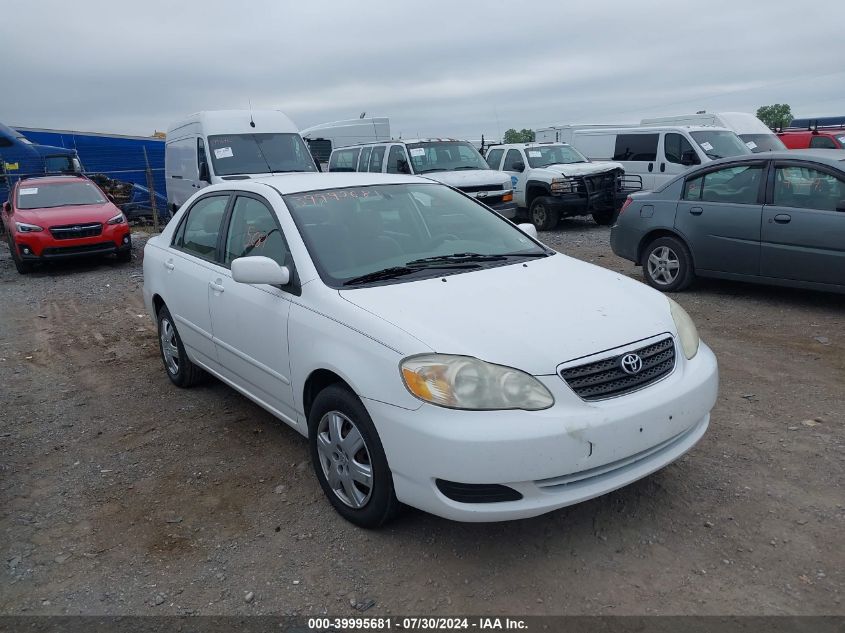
(642, 147)
(202, 227)
(822, 142)
(494, 158)
(397, 154)
(200, 153)
(253, 230)
(679, 150)
(807, 188)
(344, 160)
(735, 185)
(514, 156)
(365, 158)
(377, 158)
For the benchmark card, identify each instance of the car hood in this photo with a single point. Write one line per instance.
(531, 317)
(582, 169)
(58, 216)
(470, 178)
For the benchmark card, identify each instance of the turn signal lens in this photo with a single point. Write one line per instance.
(508, 197)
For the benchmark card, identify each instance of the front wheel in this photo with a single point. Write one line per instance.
(667, 264)
(349, 460)
(543, 217)
(23, 267)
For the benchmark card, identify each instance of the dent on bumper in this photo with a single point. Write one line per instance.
(567, 454)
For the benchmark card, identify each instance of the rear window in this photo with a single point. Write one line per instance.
(35, 195)
(641, 147)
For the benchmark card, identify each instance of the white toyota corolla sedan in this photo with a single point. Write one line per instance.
(433, 353)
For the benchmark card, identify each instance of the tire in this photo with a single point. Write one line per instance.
(22, 267)
(124, 257)
(337, 416)
(604, 218)
(182, 372)
(542, 216)
(667, 264)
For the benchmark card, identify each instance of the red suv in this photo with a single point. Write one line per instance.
(63, 216)
(832, 138)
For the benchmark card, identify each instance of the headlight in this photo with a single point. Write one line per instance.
(687, 331)
(23, 227)
(562, 185)
(463, 382)
(118, 219)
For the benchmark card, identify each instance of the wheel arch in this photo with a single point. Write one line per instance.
(158, 303)
(318, 380)
(534, 189)
(649, 237)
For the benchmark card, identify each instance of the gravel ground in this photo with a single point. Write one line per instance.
(121, 494)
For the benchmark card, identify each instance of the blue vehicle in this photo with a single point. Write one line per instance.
(21, 158)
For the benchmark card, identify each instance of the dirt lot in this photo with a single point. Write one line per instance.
(121, 494)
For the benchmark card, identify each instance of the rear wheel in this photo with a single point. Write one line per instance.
(667, 264)
(543, 217)
(349, 460)
(181, 371)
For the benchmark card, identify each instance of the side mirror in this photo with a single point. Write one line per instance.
(518, 166)
(529, 229)
(205, 174)
(7, 207)
(689, 159)
(259, 270)
(403, 166)
(111, 198)
(840, 206)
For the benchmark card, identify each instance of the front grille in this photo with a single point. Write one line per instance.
(477, 493)
(477, 188)
(73, 231)
(606, 378)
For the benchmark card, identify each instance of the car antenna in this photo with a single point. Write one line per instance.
(251, 121)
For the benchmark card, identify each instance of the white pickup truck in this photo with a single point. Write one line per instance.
(554, 180)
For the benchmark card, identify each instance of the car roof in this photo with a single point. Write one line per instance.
(403, 141)
(531, 144)
(832, 157)
(51, 180)
(296, 183)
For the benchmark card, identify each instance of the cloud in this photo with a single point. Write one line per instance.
(435, 68)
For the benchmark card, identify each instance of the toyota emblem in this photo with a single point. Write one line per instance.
(631, 364)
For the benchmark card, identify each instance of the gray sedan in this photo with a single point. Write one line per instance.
(775, 218)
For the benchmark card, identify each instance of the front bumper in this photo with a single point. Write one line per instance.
(41, 246)
(572, 452)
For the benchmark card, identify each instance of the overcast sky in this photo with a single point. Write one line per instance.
(436, 68)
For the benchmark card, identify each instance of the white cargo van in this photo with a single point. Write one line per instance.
(655, 153)
(323, 138)
(753, 132)
(219, 145)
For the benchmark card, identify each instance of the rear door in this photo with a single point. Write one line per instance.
(638, 154)
(803, 234)
(190, 265)
(251, 320)
(719, 215)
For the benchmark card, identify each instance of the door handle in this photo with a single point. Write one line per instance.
(783, 218)
(216, 287)
(662, 167)
(696, 210)
(169, 265)
(650, 167)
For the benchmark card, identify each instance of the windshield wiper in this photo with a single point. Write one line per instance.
(425, 171)
(457, 258)
(386, 273)
(462, 167)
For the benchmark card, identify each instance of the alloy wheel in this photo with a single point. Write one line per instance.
(663, 265)
(539, 215)
(169, 346)
(345, 459)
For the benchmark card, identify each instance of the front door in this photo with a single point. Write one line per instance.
(190, 266)
(719, 215)
(678, 155)
(803, 234)
(251, 320)
(515, 167)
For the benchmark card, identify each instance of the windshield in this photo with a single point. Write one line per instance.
(762, 142)
(445, 156)
(720, 144)
(544, 155)
(259, 154)
(58, 194)
(378, 233)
